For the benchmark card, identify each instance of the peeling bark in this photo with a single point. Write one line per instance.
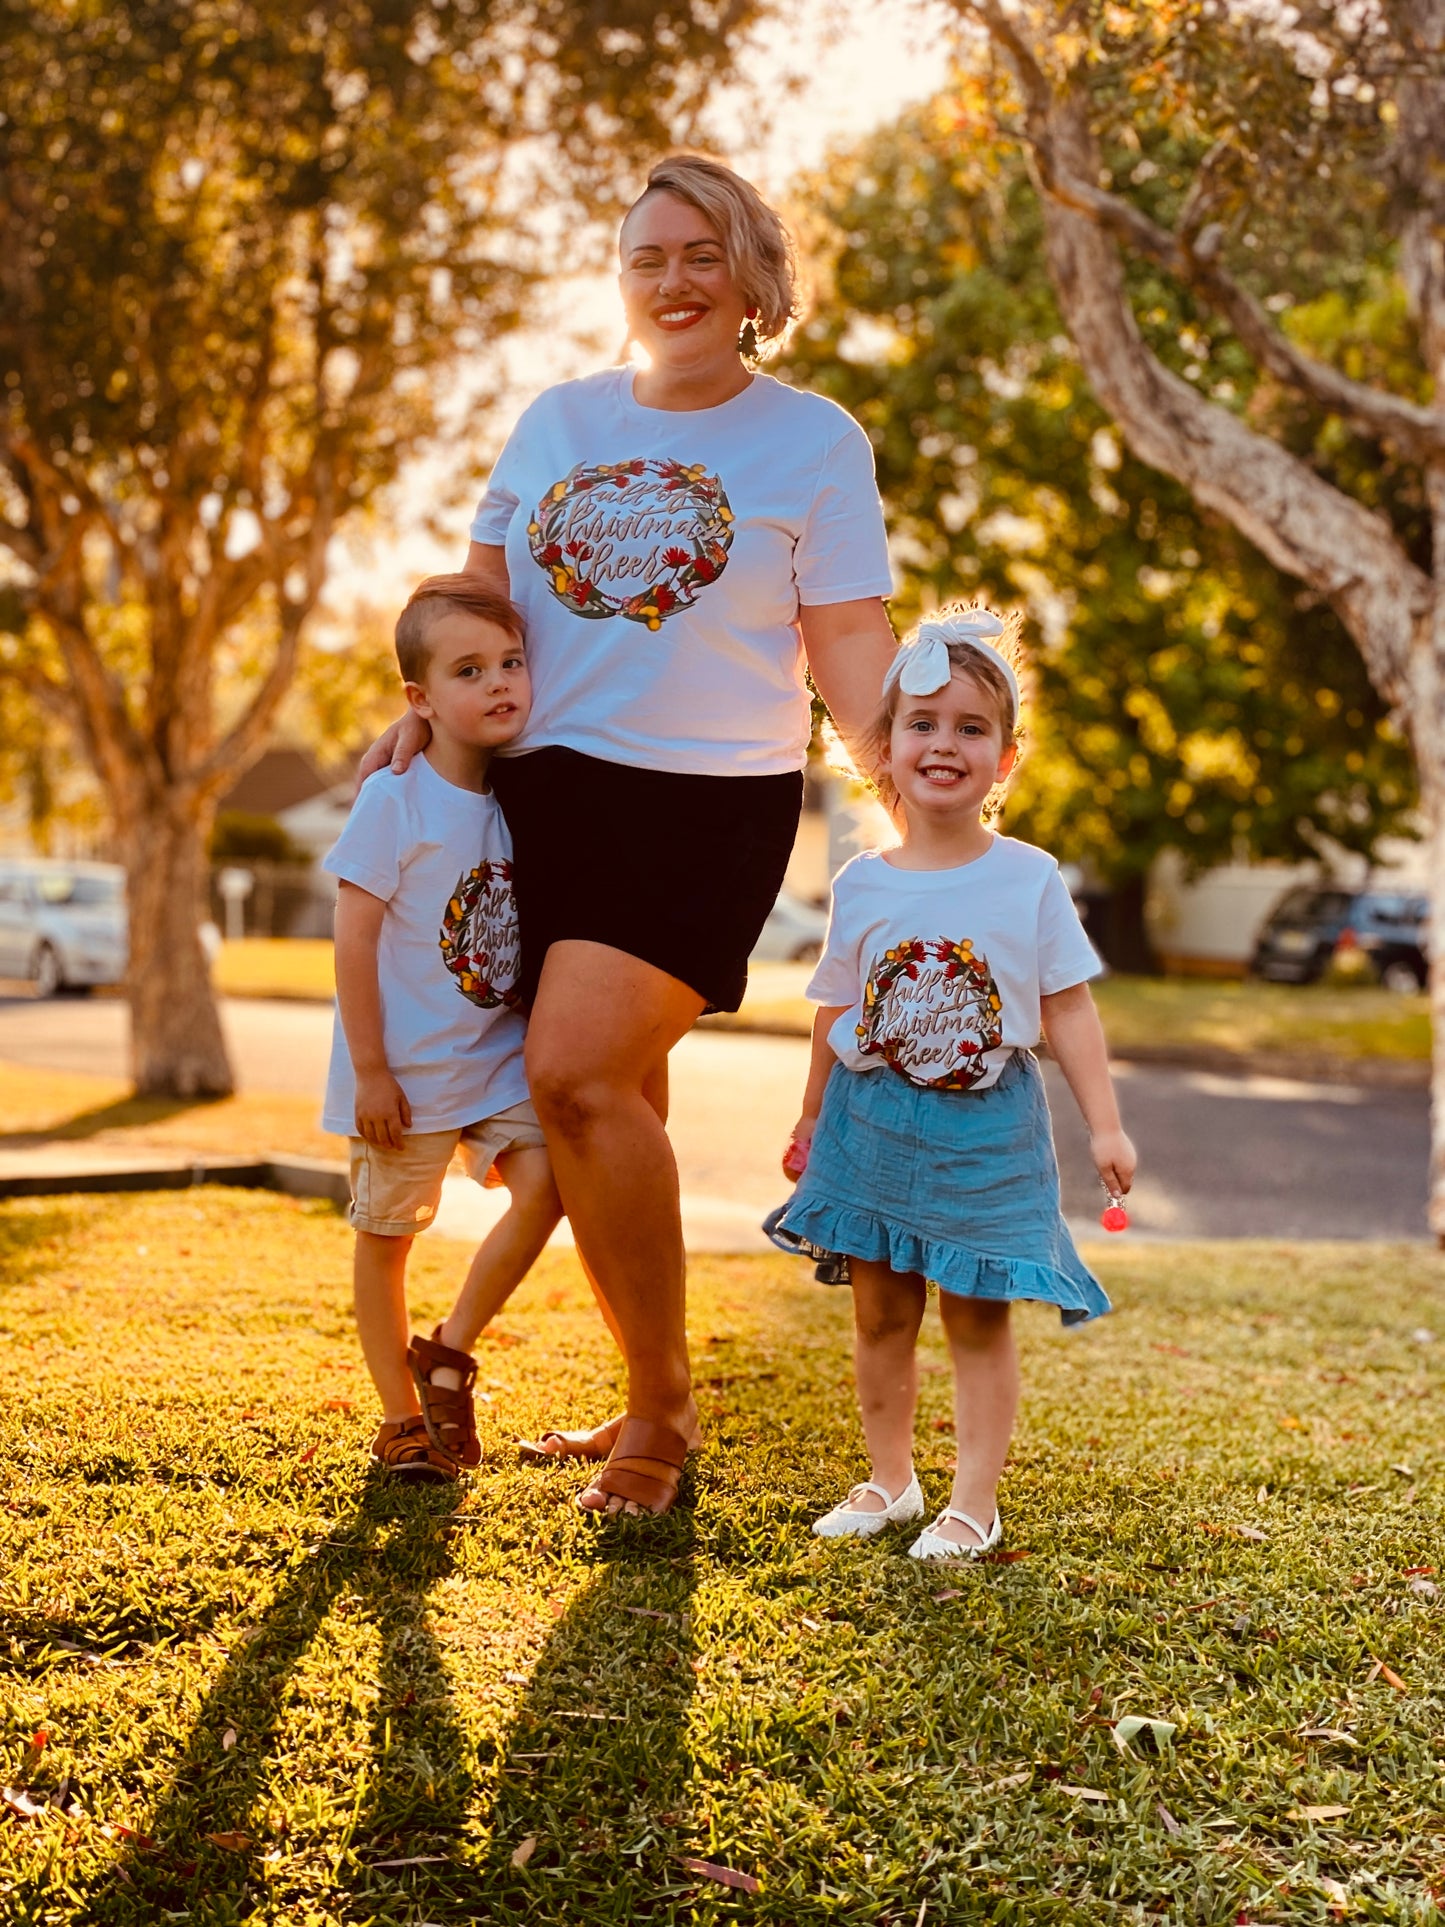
(177, 1048)
(1393, 610)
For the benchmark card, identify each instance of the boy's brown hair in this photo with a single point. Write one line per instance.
(441, 595)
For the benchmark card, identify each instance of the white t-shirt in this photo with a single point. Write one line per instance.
(440, 859)
(942, 970)
(660, 558)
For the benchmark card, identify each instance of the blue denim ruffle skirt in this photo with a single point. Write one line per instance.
(959, 1186)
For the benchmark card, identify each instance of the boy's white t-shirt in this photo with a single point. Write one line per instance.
(440, 858)
(942, 970)
(660, 558)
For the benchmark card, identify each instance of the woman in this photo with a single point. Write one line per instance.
(669, 536)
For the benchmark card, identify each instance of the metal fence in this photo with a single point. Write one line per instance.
(260, 899)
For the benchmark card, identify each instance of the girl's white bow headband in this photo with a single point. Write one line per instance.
(921, 667)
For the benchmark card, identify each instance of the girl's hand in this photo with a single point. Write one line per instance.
(396, 747)
(795, 1158)
(383, 1115)
(1115, 1160)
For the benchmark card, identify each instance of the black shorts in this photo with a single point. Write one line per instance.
(680, 871)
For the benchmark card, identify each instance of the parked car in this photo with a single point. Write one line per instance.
(62, 925)
(1311, 927)
(794, 931)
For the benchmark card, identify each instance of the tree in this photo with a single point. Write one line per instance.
(1315, 118)
(243, 247)
(1187, 693)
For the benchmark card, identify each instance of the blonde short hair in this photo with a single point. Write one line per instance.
(761, 255)
(441, 595)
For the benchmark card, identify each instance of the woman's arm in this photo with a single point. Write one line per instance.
(849, 645)
(1076, 1039)
(819, 1067)
(410, 735)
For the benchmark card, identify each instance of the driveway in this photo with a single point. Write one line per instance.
(1222, 1157)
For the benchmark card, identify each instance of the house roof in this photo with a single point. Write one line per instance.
(278, 780)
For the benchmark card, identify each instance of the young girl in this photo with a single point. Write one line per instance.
(925, 1141)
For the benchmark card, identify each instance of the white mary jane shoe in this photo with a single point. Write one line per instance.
(844, 1521)
(929, 1544)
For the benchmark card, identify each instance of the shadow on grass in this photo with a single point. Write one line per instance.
(414, 1794)
(123, 1114)
(594, 1768)
(597, 1767)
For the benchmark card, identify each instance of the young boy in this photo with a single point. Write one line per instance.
(427, 1050)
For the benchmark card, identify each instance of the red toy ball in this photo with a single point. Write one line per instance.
(1116, 1218)
(795, 1159)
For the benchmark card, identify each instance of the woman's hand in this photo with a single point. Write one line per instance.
(1115, 1161)
(406, 738)
(800, 1144)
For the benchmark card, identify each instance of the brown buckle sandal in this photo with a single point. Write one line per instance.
(402, 1448)
(594, 1446)
(645, 1467)
(449, 1416)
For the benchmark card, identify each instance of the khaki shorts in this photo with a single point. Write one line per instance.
(395, 1194)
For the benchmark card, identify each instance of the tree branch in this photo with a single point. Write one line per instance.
(1192, 256)
(1301, 522)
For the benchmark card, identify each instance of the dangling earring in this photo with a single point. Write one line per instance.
(748, 339)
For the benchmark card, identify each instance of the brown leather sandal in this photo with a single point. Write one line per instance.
(645, 1467)
(594, 1446)
(402, 1448)
(449, 1416)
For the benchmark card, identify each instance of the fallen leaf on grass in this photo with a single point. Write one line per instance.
(1153, 1736)
(943, 1425)
(1327, 1733)
(1416, 1572)
(1009, 1779)
(1251, 1532)
(811, 1624)
(1424, 1588)
(646, 1612)
(228, 1739)
(952, 1593)
(524, 1850)
(338, 1405)
(39, 1741)
(232, 1842)
(1317, 1813)
(1004, 1558)
(515, 1679)
(1392, 1678)
(724, 1876)
(21, 1804)
(305, 1457)
(1083, 1792)
(1405, 1471)
(1336, 1889)
(416, 1860)
(1171, 1825)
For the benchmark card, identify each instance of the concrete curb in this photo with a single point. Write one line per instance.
(294, 1177)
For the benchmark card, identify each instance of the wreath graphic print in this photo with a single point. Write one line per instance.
(932, 1012)
(639, 539)
(479, 942)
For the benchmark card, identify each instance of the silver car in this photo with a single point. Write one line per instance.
(62, 925)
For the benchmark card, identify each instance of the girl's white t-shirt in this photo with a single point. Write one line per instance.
(660, 558)
(941, 970)
(440, 859)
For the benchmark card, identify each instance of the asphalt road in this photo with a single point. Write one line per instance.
(1221, 1157)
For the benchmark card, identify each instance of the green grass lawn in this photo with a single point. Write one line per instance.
(271, 1690)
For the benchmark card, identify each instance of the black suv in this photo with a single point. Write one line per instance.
(1310, 926)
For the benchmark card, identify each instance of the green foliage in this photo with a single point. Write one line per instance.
(1186, 693)
(241, 247)
(239, 835)
(311, 1698)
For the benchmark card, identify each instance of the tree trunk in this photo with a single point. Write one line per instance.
(177, 1047)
